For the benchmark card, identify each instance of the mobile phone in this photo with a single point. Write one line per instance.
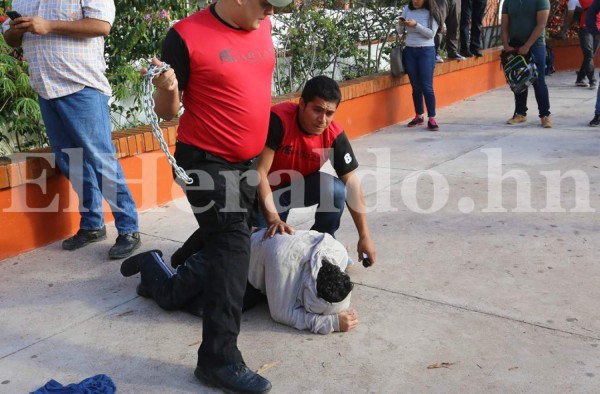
(13, 15)
(366, 261)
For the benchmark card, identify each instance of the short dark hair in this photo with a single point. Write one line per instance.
(323, 87)
(333, 285)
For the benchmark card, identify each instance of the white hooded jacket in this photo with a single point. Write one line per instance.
(285, 268)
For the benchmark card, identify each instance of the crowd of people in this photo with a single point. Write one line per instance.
(261, 160)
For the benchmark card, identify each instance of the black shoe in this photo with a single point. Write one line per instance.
(417, 121)
(432, 125)
(133, 265)
(476, 53)
(595, 122)
(233, 378)
(84, 237)
(466, 53)
(125, 245)
(142, 292)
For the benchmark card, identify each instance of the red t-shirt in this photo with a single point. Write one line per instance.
(302, 152)
(226, 84)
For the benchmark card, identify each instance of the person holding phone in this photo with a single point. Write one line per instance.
(66, 67)
(421, 25)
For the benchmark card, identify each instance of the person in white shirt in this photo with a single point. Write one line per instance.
(301, 274)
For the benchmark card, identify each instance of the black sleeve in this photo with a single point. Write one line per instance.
(175, 53)
(275, 135)
(343, 160)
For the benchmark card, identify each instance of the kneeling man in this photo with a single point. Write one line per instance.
(302, 276)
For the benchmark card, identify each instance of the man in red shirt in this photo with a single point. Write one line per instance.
(221, 131)
(588, 43)
(301, 138)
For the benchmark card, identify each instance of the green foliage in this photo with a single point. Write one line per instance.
(317, 38)
(21, 125)
(137, 34)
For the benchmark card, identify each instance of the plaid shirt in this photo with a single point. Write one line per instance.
(61, 65)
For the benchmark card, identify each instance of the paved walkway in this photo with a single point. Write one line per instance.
(498, 281)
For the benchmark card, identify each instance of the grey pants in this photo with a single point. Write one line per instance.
(450, 12)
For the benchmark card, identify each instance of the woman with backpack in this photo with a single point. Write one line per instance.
(420, 21)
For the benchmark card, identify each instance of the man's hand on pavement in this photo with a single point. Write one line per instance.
(348, 319)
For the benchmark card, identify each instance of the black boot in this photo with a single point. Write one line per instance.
(125, 245)
(133, 265)
(233, 378)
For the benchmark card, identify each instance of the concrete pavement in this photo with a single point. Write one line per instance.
(499, 280)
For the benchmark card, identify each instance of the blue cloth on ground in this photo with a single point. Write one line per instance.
(99, 384)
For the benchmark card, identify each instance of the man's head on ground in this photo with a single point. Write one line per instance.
(247, 14)
(333, 285)
(319, 101)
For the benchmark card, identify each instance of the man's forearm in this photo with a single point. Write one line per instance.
(537, 32)
(265, 197)
(359, 218)
(83, 28)
(166, 103)
(541, 19)
(356, 205)
(504, 30)
(569, 20)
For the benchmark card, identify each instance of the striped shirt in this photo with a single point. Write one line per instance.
(60, 65)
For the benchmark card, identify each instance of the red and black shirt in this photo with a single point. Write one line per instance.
(305, 153)
(225, 74)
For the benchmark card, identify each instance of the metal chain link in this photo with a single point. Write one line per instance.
(148, 106)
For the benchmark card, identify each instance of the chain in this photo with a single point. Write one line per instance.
(148, 105)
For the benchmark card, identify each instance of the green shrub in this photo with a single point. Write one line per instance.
(136, 36)
(21, 126)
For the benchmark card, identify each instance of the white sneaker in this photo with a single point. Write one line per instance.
(458, 57)
(438, 59)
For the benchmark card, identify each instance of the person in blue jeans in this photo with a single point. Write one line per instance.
(592, 28)
(523, 30)
(66, 67)
(421, 25)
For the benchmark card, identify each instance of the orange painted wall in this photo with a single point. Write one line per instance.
(567, 54)
(26, 225)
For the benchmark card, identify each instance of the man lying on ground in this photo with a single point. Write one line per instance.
(302, 276)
